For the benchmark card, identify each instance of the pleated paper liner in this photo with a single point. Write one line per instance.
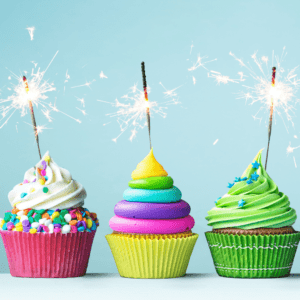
(156, 236)
(151, 258)
(253, 256)
(48, 255)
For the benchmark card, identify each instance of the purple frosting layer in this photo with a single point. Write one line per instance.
(143, 210)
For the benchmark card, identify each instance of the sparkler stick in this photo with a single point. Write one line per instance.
(32, 116)
(271, 115)
(146, 99)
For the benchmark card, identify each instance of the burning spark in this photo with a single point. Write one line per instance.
(131, 113)
(31, 31)
(83, 111)
(39, 128)
(67, 77)
(291, 149)
(85, 84)
(37, 94)
(215, 141)
(200, 63)
(81, 100)
(259, 89)
(221, 78)
(192, 46)
(102, 75)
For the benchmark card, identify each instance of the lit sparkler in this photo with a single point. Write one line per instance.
(146, 99)
(37, 95)
(271, 115)
(277, 99)
(282, 96)
(32, 117)
(131, 112)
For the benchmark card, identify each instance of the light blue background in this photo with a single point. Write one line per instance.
(115, 36)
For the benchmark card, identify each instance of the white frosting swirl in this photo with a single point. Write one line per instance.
(63, 192)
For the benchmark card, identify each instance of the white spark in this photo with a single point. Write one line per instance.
(200, 63)
(37, 94)
(83, 111)
(85, 84)
(295, 162)
(194, 80)
(9, 77)
(67, 77)
(81, 100)
(31, 31)
(220, 78)
(215, 141)
(34, 63)
(259, 87)
(291, 149)
(131, 113)
(192, 46)
(102, 75)
(295, 137)
(39, 128)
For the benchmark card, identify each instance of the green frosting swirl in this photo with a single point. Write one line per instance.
(252, 204)
(152, 183)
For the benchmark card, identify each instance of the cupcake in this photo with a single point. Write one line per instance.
(152, 235)
(48, 233)
(252, 234)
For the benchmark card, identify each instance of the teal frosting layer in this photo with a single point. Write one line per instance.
(253, 201)
(153, 196)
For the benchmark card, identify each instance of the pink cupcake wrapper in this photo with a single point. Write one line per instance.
(47, 255)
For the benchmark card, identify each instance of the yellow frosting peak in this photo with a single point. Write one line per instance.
(148, 167)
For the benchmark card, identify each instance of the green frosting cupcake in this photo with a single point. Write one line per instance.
(253, 201)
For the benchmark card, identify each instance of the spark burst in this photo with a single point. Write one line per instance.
(200, 63)
(131, 113)
(31, 32)
(282, 96)
(37, 94)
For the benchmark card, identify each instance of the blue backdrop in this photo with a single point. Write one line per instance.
(114, 37)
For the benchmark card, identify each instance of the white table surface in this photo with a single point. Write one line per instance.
(112, 286)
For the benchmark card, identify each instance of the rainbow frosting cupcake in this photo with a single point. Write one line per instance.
(48, 233)
(252, 232)
(152, 235)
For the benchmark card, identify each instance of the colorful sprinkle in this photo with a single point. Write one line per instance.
(45, 190)
(64, 221)
(41, 181)
(23, 195)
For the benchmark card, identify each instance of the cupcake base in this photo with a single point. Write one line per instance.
(253, 256)
(137, 257)
(47, 255)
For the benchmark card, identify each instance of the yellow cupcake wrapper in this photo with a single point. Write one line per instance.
(151, 258)
(154, 236)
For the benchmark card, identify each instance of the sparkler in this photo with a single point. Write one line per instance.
(37, 96)
(271, 115)
(32, 116)
(131, 112)
(146, 99)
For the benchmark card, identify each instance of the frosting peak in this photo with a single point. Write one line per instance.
(252, 201)
(47, 186)
(148, 167)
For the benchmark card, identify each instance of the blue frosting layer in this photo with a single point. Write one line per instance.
(153, 196)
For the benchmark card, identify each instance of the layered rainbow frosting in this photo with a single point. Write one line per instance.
(152, 204)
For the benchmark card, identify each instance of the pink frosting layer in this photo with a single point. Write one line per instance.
(150, 226)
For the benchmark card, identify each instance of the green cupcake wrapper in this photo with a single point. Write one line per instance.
(147, 258)
(251, 256)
